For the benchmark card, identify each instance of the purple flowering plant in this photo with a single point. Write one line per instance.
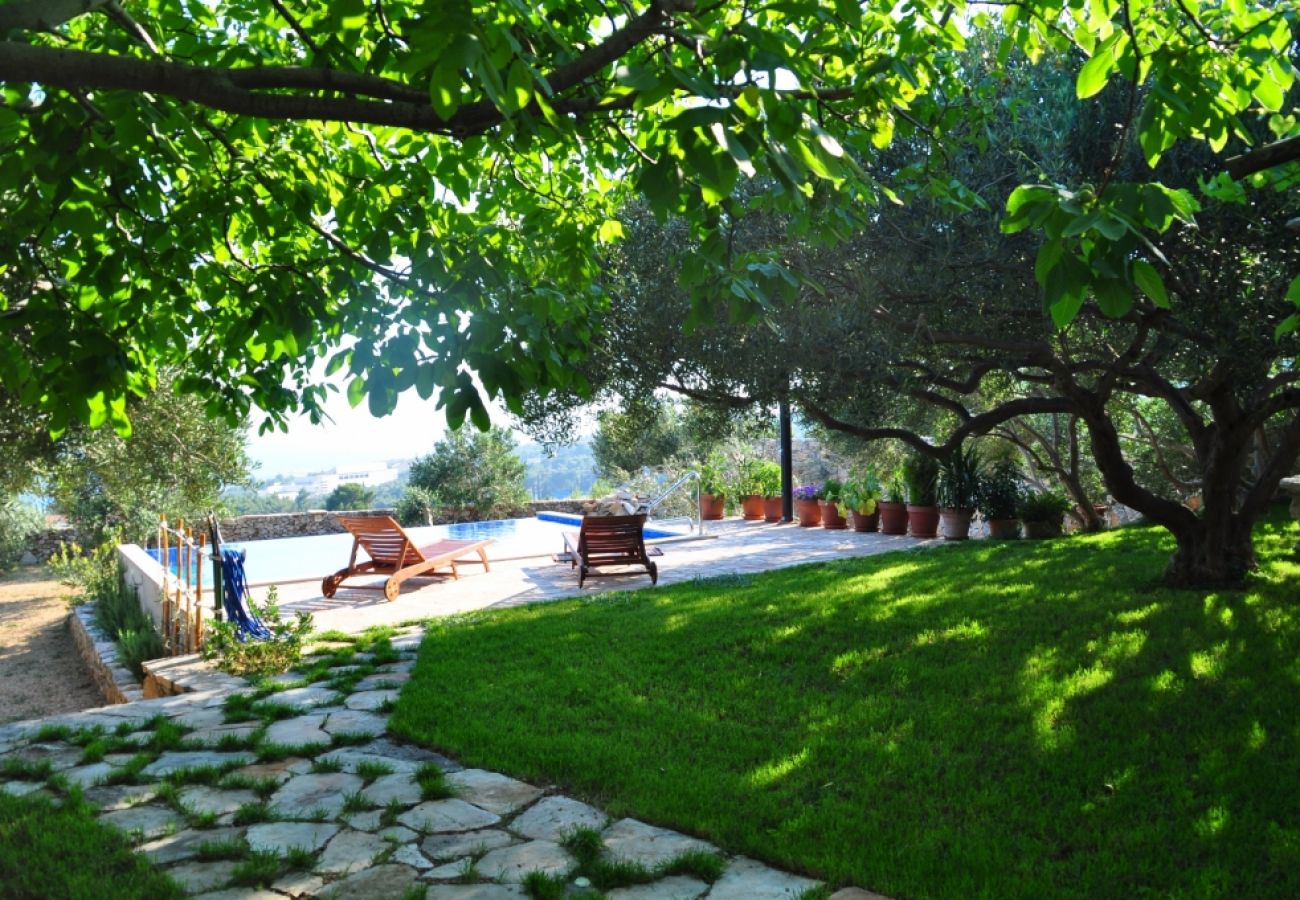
(808, 492)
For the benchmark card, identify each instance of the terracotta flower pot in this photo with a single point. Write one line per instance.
(711, 507)
(752, 507)
(923, 521)
(956, 523)
(831, 517)
(808, 512)
(893, 518)
(864, 523)
(772, 509)
(1004, 529)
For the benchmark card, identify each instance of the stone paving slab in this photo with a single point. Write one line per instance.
(551, 819)
(196, 877)
(747, 879)
(474, 892)
(299, 884)
(675, 887)
(185, 845)
(120, 796)
(350, 851)
(447, 815)
(372, 699)
(637, 842)
(148, 821)
(513, 864)
(279, 837)
(390, 880)
(202, 799)
(303, 796)
(176, 761)
(354, 721)
(452, 846)
(400, 788)
(88, 776)
(240, 893)
(299, 731)
(491, 791)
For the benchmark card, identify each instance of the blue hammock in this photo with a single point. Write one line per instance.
(248, 626)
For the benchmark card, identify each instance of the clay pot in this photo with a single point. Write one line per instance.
(752, 507)
(956, 523)
(1004, 529)
(893, 518)
(772, 509)
(863, 522)
(923, 521)
(808, 512)
(831, 517)
(711, 507)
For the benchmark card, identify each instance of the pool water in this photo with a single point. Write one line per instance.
(310, 558)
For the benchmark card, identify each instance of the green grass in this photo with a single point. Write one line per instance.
(1014, 719)
(49, 851)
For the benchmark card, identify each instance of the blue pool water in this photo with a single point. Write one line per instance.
(308, 558)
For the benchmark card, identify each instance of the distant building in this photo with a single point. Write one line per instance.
(367, 474)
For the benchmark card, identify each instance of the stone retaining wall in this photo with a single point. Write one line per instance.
(99, 653)
(319, 521)
(44, 544)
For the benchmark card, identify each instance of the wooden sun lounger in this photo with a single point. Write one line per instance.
(610, 541)
(393, 553)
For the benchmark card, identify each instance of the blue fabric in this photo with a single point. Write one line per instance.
(248, 626)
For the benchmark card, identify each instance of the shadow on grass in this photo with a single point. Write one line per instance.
(1012, 719)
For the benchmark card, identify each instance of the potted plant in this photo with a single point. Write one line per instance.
(998, 497)
(749, 488)
(959, 481)
(862, 496)
(832, 503)
(806, 506)
(893, 506)
(921, 474)
(769, 479)
(1041, 513)
(713, 499)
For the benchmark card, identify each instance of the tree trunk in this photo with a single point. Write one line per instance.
(1216, 552)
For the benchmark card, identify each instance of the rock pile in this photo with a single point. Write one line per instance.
(619, 503)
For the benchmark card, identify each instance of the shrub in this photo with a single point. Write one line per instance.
(247, 656)
(862, 491)
(1000, 491)
(18, 522)
(417, 506)
(1045, 507)
(921, 474)
(960, 478)
(117, 605)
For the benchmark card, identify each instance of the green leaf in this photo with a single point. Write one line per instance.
(356, 390)
(519, 86)
(1150, 283)
(1094, 74)
(1288, 325)
(637, 77)
(1113, 296)
(1293, 291)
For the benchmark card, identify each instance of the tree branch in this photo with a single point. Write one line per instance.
(44, 15)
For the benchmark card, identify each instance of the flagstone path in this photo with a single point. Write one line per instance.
(300, 792)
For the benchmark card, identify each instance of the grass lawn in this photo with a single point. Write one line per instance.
(1011, 719)
(61, 851)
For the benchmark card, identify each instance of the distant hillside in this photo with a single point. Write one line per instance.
(569, 473)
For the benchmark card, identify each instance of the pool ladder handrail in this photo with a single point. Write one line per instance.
(696, 521)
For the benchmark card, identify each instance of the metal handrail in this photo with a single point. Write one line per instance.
(698, 519)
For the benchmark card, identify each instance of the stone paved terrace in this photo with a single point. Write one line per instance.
(731, 546)
(303, 774)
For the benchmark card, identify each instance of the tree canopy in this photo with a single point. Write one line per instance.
(416, 194)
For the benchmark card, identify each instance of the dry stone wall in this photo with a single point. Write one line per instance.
(99, 653)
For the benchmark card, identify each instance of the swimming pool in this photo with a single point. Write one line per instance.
(310, 558)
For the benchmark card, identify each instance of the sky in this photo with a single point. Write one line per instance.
(353, 437)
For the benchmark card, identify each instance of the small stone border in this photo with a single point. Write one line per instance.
(173, 675)
(99, 653)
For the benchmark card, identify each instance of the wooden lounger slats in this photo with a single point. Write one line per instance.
(393, 553)
(610, 541)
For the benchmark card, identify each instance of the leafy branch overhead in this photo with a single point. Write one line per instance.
(421, 196)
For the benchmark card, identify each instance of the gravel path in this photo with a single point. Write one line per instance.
(41, 672)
